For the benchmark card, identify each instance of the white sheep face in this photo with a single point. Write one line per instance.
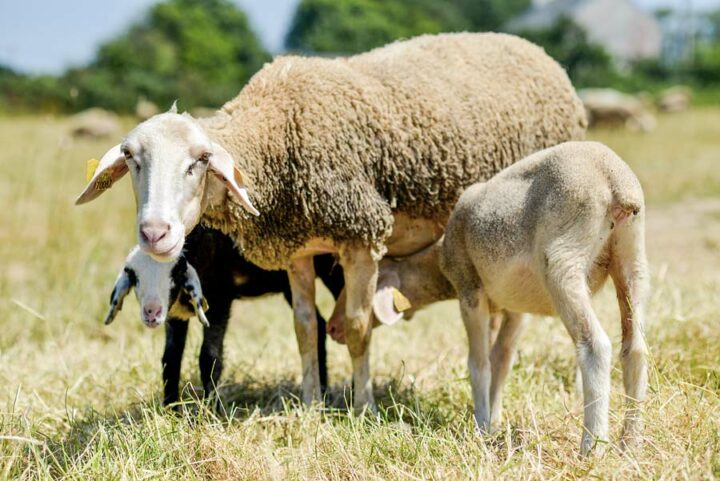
(158, 286)
(168, 157)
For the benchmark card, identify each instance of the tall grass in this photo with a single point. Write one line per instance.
(82, 401)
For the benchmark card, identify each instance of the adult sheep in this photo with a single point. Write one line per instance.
(358, 156)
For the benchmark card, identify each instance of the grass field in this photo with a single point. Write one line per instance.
(81, 401)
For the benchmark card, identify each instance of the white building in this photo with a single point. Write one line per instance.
(624, 30)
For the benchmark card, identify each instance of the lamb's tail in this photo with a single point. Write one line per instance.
(627, 194)
(626, 203)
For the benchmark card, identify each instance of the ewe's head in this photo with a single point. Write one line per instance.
(168, 157)
(158, 285)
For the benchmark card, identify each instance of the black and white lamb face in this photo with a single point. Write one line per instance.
(168, 157)
(158, 287)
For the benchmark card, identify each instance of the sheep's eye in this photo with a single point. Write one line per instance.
(129, 158)
(203, 159)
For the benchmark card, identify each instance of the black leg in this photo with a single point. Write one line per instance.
(322, 353)
(175, 336)
(211, 352)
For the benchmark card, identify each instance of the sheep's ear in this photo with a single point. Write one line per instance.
(223, 167)
(125, 281)
(112, 167)
(194, 289)
(388, 302)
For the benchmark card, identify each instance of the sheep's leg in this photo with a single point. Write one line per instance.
(502, 358)
(475, 312)
(496, 322)
(302, 285)
(476, 317)
(211, 351)
(571, 297)
(322, 351)
(175, 336)
(629, 272)
(361, 272)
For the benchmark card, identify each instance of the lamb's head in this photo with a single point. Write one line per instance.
(169, 157)
(158, 286)
(404, 285)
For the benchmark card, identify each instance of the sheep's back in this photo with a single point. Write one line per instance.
(339, 144)
(461, 107)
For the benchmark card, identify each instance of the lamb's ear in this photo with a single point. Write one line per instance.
(112, 167)
(223, 167)
(125, 281)
(194, 289)
(388, 302)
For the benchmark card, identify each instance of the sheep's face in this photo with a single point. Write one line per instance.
(158, 286)
(168, 157)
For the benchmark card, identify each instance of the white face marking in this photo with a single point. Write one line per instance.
(153, 285)
(167, 167)
(168, 157)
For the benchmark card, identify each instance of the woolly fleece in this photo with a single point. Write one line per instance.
(332, 147)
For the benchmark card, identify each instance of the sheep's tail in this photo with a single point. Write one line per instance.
(627, 201)
(627, 194)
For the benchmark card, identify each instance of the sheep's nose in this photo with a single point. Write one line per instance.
(153, 231)
(152, 311)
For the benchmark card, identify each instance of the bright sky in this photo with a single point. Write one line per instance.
(46, 36)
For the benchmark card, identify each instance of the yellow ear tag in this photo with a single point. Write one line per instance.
(401, 302)
(92, 166)
(104, 180)
(203, 303)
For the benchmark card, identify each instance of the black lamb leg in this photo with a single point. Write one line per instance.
(211, 352)
(175, 336)
(322, 353)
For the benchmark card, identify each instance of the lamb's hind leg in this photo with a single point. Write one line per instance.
(475, 311)
(476, 317)
(629, 272)
(302, 285)
(502, 358)
(361, 272)
(571, 297)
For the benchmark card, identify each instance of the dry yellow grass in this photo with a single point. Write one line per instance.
(81, 401)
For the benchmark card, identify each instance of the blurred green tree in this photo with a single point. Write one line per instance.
(587, 64)
(351, 26)
(490, 15)
(705, 68)
(29, 93)
(199, 51)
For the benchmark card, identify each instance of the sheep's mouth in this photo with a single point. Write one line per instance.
(153, 324)
(168, 254)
